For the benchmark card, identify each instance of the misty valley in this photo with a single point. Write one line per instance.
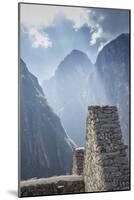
(53, 114)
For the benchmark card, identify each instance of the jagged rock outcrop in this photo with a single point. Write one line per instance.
(45, 147)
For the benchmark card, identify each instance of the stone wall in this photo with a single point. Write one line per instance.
(53, 185)
(106, 166)
(78, 160)
(101, 166)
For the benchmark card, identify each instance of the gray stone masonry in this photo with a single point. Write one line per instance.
(101, 166)
(53, 185)
(78, 160)
(106, 166)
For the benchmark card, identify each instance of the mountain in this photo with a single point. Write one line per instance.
(77, 84)
(113, 67)
(46, 149)
(74, 86)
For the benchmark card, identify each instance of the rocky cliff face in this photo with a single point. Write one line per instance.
(45, 147)
(113, 67)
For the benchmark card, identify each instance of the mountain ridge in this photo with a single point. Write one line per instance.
(45, 147)
(79, 83)
(114, 68)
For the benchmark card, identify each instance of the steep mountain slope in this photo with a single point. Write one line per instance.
(69, 92)
(113, 67)
(45, 147)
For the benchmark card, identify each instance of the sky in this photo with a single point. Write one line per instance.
(49, 33)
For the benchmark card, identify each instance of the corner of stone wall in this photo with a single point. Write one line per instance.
(106, 166)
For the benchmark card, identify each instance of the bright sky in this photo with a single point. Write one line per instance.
(49, 33)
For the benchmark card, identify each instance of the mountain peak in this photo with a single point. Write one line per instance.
(123, 35)
(23, 66)
(74, 60)
(115, 49)
(78, 54)
(76, 51)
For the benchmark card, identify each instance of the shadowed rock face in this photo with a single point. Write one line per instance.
(113, 67)
(45, 147)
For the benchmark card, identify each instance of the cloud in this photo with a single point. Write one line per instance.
(44, 16)
(79, 16)
(39, 38)
(102, 44)
(96, 34)
(37, 17)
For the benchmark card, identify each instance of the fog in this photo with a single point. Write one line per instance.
(75, 86)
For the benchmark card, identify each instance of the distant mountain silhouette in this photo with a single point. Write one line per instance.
(77, 83)
(71, 90)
